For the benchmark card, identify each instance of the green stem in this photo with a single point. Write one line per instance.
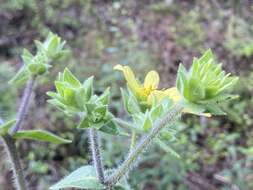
(13, 154)
(142, 145)
(24, 105)
(96, 155)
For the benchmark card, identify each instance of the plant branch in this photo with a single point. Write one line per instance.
(13, 154)
(24, 105)
(96, 155)
(141, 146)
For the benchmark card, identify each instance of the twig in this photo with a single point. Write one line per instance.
(96, 155)
(13, 154)
(141, 146)
(24, 105)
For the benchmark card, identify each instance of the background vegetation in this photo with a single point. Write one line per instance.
(216, 153)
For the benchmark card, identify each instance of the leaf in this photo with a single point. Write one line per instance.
(88, 86)
(214, 109)
(70, 78)
(110, 128)
(84, 123)
(83, 178)
(100, 111)
(181, 81)
(166, 148)
(26, 57)
(122, 184)
(40, 135)
(147, 122)
(208, 55)
(59, 85)
(21, 77)
(157, 112)
(132, 105)
(221, 98)
(130, 102)
(39, 46)
(125, 97)
(80, 97)
(4, 128)
(105, 97)
(193, 108)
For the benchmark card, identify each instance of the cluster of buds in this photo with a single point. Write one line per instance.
(47, 52)
(76, 98)
(205, 84)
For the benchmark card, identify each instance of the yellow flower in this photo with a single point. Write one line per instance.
(147, 91)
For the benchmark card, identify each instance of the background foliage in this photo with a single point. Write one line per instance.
(216, 153)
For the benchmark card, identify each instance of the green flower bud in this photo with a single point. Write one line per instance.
(53, 46)
(205, 80)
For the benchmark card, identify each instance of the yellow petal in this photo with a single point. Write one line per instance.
(159, 95)
(173, 94)
(151, 80)
(132, 83)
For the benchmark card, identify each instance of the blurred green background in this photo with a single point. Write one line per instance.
(216, 153)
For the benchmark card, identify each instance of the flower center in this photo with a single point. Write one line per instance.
(148, 90)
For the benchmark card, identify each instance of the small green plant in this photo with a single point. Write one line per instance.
(154, 112)
(11, 131)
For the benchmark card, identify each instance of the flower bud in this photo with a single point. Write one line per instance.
(205, 80)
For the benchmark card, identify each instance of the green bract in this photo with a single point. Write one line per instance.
(38, 64)
(76, 98)
(205, 83)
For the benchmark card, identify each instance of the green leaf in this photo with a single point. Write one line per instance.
(4, 128)
(193, 108)
(99, 112)
(132, 105)
(53, 43)
(147, 122)
(83, 178)
(157, 112)
(181, 82)
(84, 123)
(40, 135)
(57, 103)
(122, 184)
(70, 78)
(88, 86)
(21, 77)
(105, 97)
(214, 109)
(59, 85)
(26, 57)
(69, 96)
(125, 97)
(206, 57)
(166, 148)
(39, 46)
(90, 107)
(110, 127)
(197, 90)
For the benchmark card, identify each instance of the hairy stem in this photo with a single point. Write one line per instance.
(141, 146)
(96, 155)
(13, 154)
(24, 105)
